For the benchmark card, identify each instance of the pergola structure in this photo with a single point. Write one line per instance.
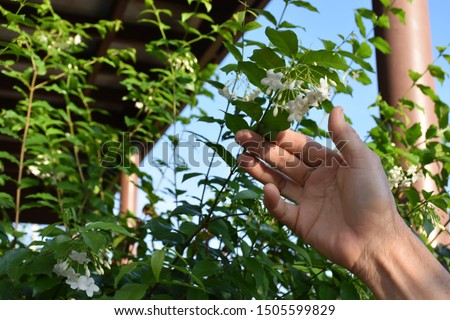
(109, 92)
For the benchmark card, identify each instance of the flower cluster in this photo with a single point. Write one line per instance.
(43, 162)
(291, 94)
(304, 98)
(185, 62)
(75, 280)
(55, 42)
(397, 177)
(249, 94)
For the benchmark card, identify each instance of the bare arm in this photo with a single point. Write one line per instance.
(343, 207)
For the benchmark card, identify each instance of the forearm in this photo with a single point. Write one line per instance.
(405, 269)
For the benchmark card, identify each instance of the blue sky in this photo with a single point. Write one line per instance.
(335, 17)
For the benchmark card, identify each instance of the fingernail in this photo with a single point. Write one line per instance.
(341, 112)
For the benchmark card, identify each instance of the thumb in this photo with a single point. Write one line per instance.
(344, 136)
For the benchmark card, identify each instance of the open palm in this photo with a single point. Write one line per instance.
(340, 200)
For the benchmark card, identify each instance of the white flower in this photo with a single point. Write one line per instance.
(324, 89)
(411, 170)
(138, 104)
(251, 96)
(395, 176)
(275, 111)
(80, 257)
(62, 269)
(298, 108)
(87, 284)
(273, 80)
(225, 92)
(84, 283)
(35, 170)
(77, 40)
(73, 282)
(290, 85)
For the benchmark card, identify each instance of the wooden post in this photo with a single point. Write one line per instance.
(128, 200)
(411, 49)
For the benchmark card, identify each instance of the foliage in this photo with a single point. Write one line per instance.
(219, 243)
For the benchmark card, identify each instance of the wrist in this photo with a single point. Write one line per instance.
(400, 266)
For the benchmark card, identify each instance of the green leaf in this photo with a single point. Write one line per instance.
(362, 77)
(414, 75)
(364, 51)
(447, 57)
(234, 51)
(231, 67)
(442, 110)
(43, 284)
(108, 226)
(364, 64)
(426, 195)
(383, 22)
(412, 195)
(205, 268)
(222, 152)
(161, 230)
(413, 133)
(250, 108)
(252, 25)
(253, 72)
(43, 196)
(286, 41)
(266, 14)
(437, 72)
(6, 200)
(11, 260)
(190, 175)
(304, 4)
(187, 209)
(429, 92)
(366, 13)
(385, 3)
(8, 156)
(194, 293)
(51, 230)
(267, 58)
(235, 122)
(381, 44)
(328, 45)
(323, 58)
(246, 194)
(400, 14)
(131, 291)
(188, 228)
(126, 269)
(432, 132)
(360, 23)
(270, 125)
(39, 264)
(348, 291)
(94, 240)
(28, 182)
(157, 262)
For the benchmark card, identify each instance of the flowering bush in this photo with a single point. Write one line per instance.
(218, 242)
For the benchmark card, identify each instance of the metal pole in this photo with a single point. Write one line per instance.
(411, 49)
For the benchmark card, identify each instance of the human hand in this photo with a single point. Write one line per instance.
(343, 205)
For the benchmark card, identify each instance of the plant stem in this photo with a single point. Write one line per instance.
(31, 89)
